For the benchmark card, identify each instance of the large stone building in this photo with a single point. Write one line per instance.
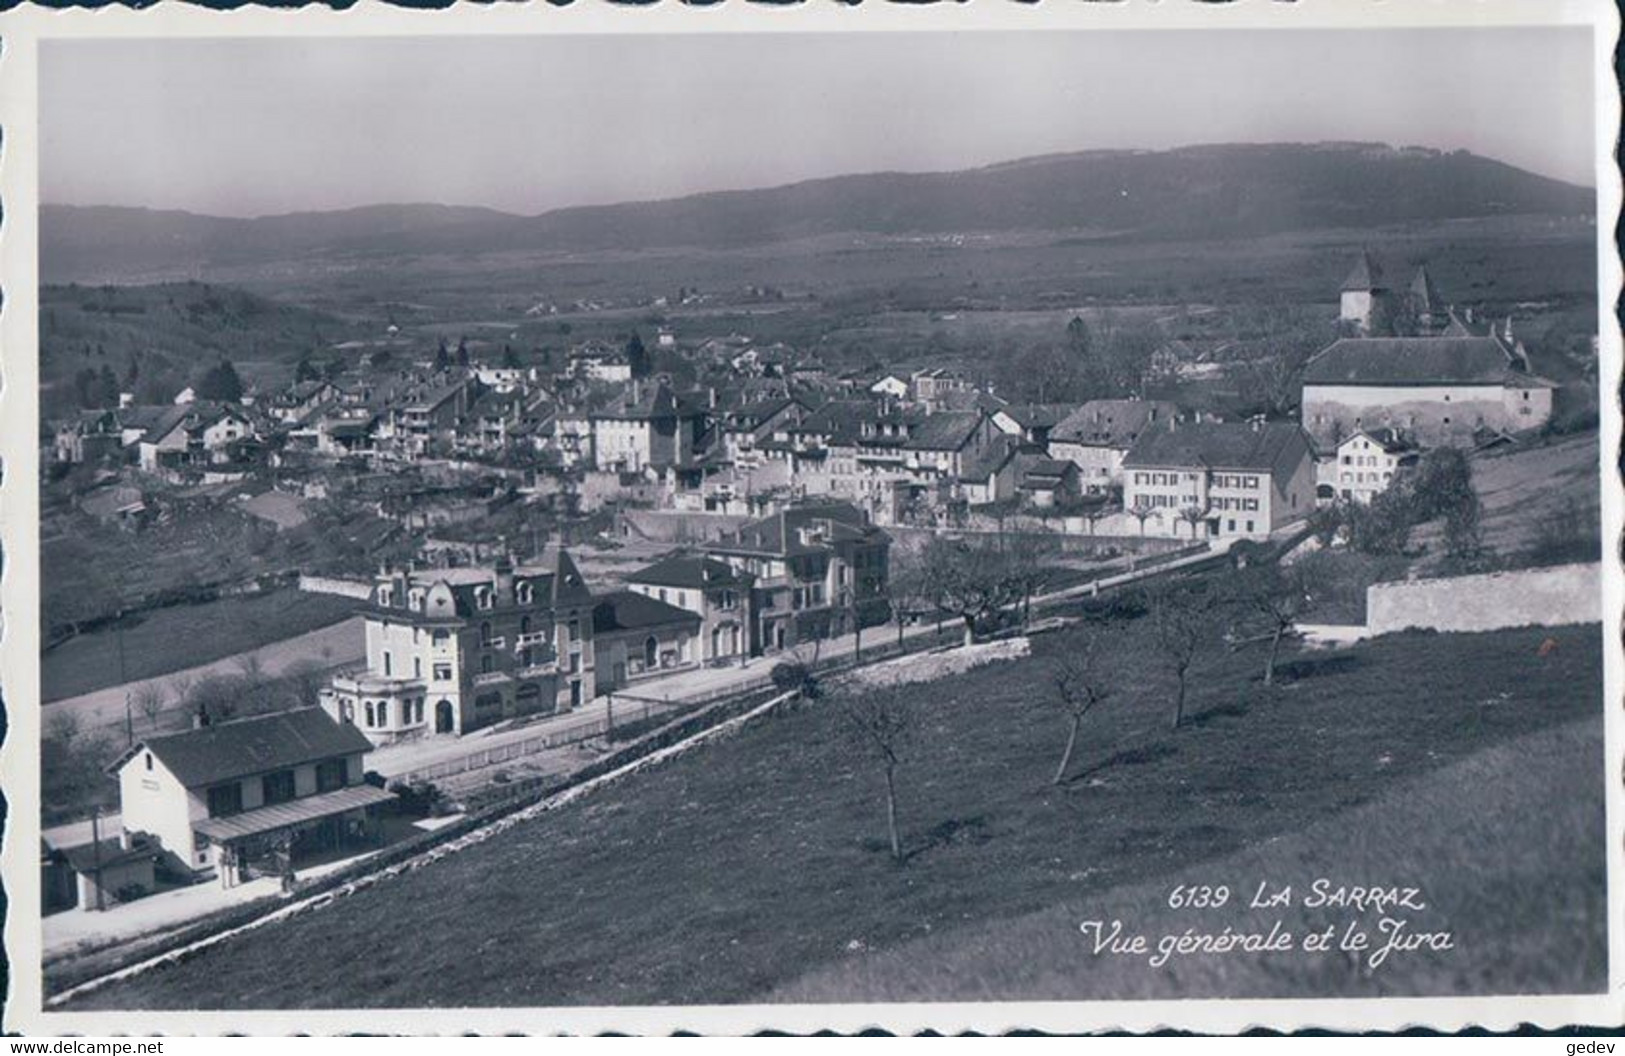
(1435, 390)
(1219, 479)
(452, 650)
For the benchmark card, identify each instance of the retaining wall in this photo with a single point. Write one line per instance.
(1536, 597)
(344, 588)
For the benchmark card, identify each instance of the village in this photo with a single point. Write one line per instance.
(542, 548)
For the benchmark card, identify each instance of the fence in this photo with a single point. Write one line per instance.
(555, 736)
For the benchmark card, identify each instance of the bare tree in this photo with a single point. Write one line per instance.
(1080, 684)
(971, 582)
(882, 719)
(1193, 516)
(1180, 618)
(1142, 514)
(1272, 599)
(149, 699)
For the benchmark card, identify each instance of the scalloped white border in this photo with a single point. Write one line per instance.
(20, 32)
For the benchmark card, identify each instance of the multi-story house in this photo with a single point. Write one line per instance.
(936, 384)
(717, 592)
(940, 445)
(299, 400)
(452, 650)
(1365, 464)
(90, 436)
(1219, 479)
(818, 570)
(194, 434)
(229, 797)
(647, 426)
(744, 428)
(1097, 435)
(433, 417)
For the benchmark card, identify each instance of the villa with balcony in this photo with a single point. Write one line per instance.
(453, 650)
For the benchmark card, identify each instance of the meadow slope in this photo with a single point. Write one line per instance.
(728, 874)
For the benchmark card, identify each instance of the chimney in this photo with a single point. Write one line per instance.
(504, 575)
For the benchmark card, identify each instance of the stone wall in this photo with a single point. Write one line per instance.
(1537, 597)
(678, 526)
(344, 588)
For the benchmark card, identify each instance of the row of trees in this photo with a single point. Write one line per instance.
(1187, 620)
(74, 755)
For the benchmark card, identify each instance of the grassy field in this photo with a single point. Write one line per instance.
(184, 636)
(729, 874)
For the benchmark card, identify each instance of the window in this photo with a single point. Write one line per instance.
(386, 597)
(418, 709)
(149, 760)
(575, 630)
(651, 652)
(442, 672)
(370, 721)
(225, 800)
(441, 637)
(387, 664)
(662, 593)
(417, 667)
(483, 597)
(330, 775)
(1249, 526)
(524, 625)
(277, 787)
(485, 633)
(486, 664)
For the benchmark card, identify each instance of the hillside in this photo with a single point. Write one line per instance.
(728, 874)
(1192, 192)
(169, 333)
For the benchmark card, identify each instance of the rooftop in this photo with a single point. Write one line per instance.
(1416, 361)
(225, 750)
(1266, 447)
(627, 610)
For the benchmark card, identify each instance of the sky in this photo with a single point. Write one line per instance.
(256, 127)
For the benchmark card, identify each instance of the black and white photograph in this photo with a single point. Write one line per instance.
(703, 524)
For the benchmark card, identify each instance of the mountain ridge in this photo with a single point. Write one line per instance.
(1197, 191)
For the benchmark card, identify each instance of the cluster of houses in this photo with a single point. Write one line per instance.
(451, 650)
(924, 447)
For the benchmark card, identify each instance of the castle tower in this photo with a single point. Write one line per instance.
(1426, 306)
(1363, 293)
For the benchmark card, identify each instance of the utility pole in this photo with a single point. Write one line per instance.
(96, 850)
(123, 679)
